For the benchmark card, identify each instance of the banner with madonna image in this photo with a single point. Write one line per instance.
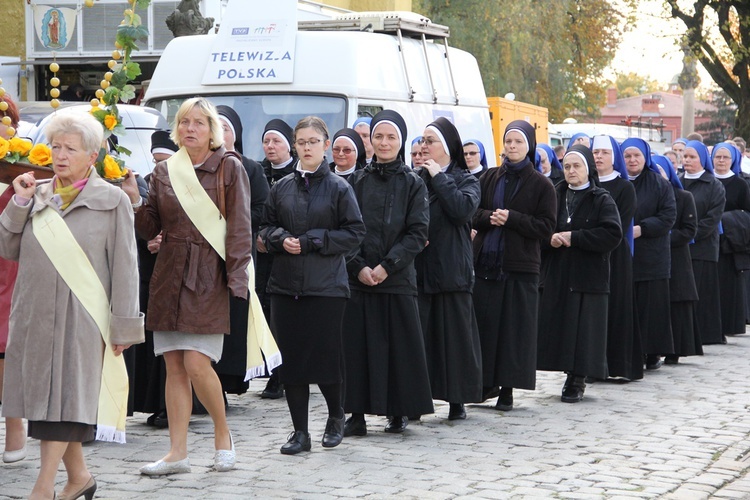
(54, 26)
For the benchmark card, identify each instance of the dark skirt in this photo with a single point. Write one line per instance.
(386, 369)
(653, 317)
(687, 342)
(573, 332)
(624, 355)
(507, 318)
(708, 308)
(147, 377)
(451, 339)
(732, 296)
(232, 366)
(69, 432)
(308, 333)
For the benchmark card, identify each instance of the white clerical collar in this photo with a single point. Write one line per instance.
(344, 172)
(476, 170)
(611, 176)
(282, 165)
(696, 175)
(305, 172)
(548, 173)
(634, 177)
(579, 188)
(724, 176)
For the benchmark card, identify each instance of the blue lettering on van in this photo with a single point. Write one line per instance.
(240, 31)
(250, 73)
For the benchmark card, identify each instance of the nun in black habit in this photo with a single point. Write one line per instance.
(709, 197)
(732, 264)
(682, 292)
(516, 212)
(386, 369)
(573, 319)
(445, 272)
(624, 355)
(654, 218)
(349, 153)
(232, 365)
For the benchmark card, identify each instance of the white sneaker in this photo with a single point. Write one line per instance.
(225, 460)
(162, 468)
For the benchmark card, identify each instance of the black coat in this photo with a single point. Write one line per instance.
(595, 232)
(396, 214)
(446, 264)
(531, 218)
(258, 191)
(655, 215)
(709, 197)
(682, 283)
(322, 212)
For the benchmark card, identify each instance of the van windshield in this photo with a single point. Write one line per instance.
(257, 110)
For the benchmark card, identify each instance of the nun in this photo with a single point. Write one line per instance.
(579, 138)
(348, 153)
(654, 217)
(683, 294)
(516, 212)
(476, 160)
(733, 262)
(624, 355)
(384, 352)
(279, 162)
(709, 196)
(573, 319)
(416, 152)
(445, 273)
(551, 167)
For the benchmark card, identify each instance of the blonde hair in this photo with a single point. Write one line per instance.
(83, 125)
(208, 110)
(312, 122)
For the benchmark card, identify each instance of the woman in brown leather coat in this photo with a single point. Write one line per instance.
(188, 307)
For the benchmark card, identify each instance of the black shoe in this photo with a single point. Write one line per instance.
(396, 425)
(161, 420)
(505, 399)
(489, 393)
(415, 418)
(298, 441)
(274, 389)
(573, 389)
(671, 359)
(355, 426)
(456, 412)
(653, 362)
(334, 432)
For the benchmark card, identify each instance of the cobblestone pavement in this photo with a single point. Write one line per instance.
(681, 433)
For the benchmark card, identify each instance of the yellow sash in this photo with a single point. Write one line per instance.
(205, 215)
(76, 270)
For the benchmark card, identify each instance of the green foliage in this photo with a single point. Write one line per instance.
(632, 84)
(722, 116)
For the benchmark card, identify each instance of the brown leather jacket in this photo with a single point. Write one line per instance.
(190, 286)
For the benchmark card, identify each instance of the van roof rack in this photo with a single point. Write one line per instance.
(409, 23)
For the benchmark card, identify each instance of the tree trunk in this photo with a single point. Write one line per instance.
(688, 112)
(742, 122)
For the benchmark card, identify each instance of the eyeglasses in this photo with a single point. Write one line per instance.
(430, 141)
(418, 153)
(346, 151)
(312, 142)
(471, 153)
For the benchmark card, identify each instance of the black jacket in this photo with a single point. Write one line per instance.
(396, 213)
(709, 197)
(258, 191)
(595, 232)
(322, 212)
(531, 218)
(656, 214)
(446, 264)
(682, 283)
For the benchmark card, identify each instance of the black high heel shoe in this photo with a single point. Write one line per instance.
(86, 492)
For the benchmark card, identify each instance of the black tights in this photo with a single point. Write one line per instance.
(298, 397)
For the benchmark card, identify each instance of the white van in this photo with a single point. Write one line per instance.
(341, 73)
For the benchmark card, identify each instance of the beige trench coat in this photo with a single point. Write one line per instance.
(53, 361)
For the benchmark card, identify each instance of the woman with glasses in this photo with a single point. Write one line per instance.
(445, 274)
(417, 157)
(516, 211)
(349, 153)
(476, 160)
(313, 222)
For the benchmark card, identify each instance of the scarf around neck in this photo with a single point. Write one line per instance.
(63, 196)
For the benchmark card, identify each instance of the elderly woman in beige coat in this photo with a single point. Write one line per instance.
(55, 359)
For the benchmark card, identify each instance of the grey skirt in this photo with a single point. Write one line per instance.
(209, 344)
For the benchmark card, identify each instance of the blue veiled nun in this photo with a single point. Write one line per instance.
(555, 173)
(734, 261)
(624, 354)
(709, 196)
(654, 217)
(579, 138)
(683, 294)
(475, 168)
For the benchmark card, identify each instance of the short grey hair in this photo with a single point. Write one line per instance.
(83, 125)
(208, 110)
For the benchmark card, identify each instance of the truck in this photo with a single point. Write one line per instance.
(504, 110)
(345, 67)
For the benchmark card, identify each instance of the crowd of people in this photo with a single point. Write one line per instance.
(388, 283)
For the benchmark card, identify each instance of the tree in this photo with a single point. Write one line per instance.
(554, 58)
(632, 84)
(725, 57)
(722, 116)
